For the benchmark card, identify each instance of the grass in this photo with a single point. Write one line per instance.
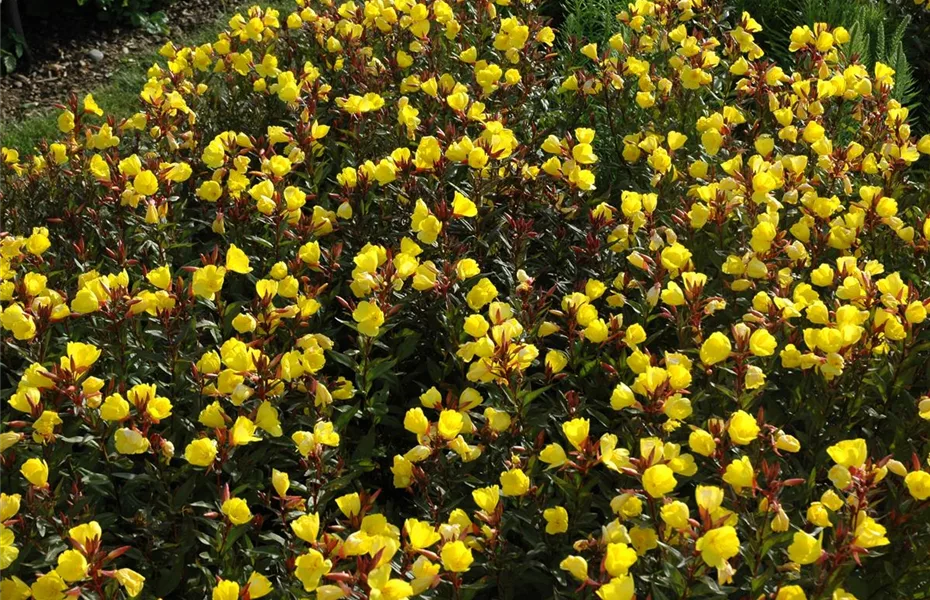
(120, 95)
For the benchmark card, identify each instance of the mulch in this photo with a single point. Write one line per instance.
(62, 54)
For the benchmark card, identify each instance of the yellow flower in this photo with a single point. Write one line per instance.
(49, 587)
(450, 423)
(350, 504)
(145, 183)
(487, 498)
(236, 260)
(742, 428)
(243, 432)
(659, 480)
(918, 484)
(481, 294)
(369, 318)
(86, 532)
(675, 514)
(422, 535)
(306, 527)
(131, 581)
(715, 349)
(463, 207)
(160, 277)
(130, 441)
(618, 588)
(702, 442)
(818, 515)
(556, 520)
(739, 474)
(456, 557)
(791, 592)
(576, 432)
(280, 481)
(718, 545)
(381, 584)
(79, 356)
(622, 397)
(416, 422)
(66, 121)
(72, 566)
(225, 590)
(868, 533)
(514, 482)
(849, 453)
(208, 280)
(35, 470)
(9, 505)
(619, 559)
(8, 551)
(577, 566)
(237, 511)
(90, 105)
(762, 343)
(805, 549)
(201, 452)
(310, 567)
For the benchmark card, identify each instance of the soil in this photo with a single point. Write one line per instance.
(64, 51)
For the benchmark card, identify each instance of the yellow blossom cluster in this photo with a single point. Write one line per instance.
(379, 299)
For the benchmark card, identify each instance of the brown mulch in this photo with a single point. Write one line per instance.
(62, 61)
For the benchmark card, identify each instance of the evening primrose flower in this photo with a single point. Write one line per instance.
(715, 349)
(675, 514)
(622, 397)
(556, 520)
(349, 504)
(450, 423)
(918, 484)
(742, 428)
(35, 470)
(201, 452)
(514, 482)
(463, 206)
(9, 505)
(577, 566)
(369, 318)
(739, 474)
(8, 551)
(659, 480)
(456, 557)
(306, 527)
(130, 441)
(868, 533)
(421, 534)
(50, 586)
(72, 566)
(805, 549)
(618, 588)
(236, 260)
(762, 343)
(237, 511)
(576, 432)
(849, 453)
(718, 546)
(131, 581)
(310, 568)
(791, 592)
(487, 498)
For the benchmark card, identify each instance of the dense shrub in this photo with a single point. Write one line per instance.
(385, 299)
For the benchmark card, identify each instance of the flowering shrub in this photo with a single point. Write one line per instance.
(391, 299)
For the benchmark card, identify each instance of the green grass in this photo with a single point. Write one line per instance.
(120, 95)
